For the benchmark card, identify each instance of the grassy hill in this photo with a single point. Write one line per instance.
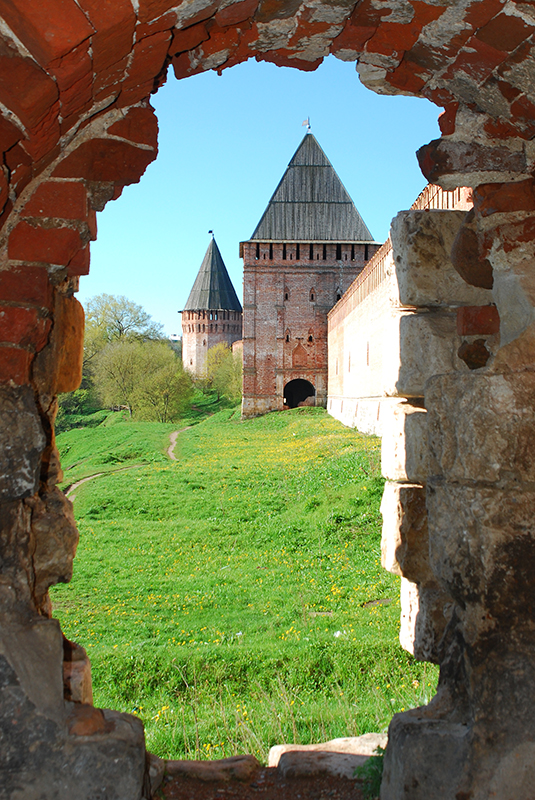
(234, 599)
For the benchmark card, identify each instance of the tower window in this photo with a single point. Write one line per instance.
(257, 250)
(312, 295)
(324, 252)
(310, 338)
(352, 252)
(284, 251)
(297, 252)
(286, 295)
(311, 252)
(338, 252)
(204, 342)
(271, 252)
(365, 252)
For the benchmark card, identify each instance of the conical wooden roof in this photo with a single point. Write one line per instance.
(311, 203)
(213, 288)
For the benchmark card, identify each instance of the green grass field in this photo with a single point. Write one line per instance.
(234, 599)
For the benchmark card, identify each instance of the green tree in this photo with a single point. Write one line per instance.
(223, 371)
(110, 318)
(145, 376)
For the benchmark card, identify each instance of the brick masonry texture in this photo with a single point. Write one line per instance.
(75, 118)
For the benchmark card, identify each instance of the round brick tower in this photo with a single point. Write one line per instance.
(212, 313)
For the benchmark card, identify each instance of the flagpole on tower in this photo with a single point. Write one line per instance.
(307, 123)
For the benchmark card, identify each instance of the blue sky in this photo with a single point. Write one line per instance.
(225, 142)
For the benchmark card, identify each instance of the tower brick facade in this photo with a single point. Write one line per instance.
(212, 314)
(305, 252)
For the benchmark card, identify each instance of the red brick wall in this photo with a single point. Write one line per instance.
(202, 330)
(286, 302)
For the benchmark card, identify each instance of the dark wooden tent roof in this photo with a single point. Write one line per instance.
(311, 203)
(213, 288)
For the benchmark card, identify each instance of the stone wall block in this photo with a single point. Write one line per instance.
(77, 685)
(22, 442)
(34, 652)
(425, 612)
(427, 345)
(482, 427)
(404, 442)
(482, 550)
(404, 542)
(54, 541)
(58, 367)
(422, 242)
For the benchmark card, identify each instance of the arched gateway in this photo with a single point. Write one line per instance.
(75, 128)
(297, 392)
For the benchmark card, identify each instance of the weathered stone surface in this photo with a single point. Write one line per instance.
(426, 345)
(482, 549)
(364, 746)
(54, 541)
(422, 241)
(425, 611)
(299, 764)
(481, 427)
(404, 442)
(239, 768)
(404, 542)
(22, 442)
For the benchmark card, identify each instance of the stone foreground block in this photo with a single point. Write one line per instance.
(425, 611)
(423, 344)
(404, 442)
(482, 426)
(404, 541)
(22, 442)
(422, 242)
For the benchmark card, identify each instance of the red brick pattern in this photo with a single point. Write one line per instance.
(286, 301)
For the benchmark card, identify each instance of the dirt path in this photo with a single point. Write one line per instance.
(68, 492)
(172, 442)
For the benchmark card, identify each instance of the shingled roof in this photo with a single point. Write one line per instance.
(213, 288)
(311, 203)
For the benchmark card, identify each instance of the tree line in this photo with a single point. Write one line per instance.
(130, 365)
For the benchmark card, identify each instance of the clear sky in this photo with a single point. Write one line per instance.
(225, 142)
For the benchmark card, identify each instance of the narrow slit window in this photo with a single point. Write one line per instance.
(311, 252)
(257, 250)
(325, 252)
(352, 252)
(284, 252)
(365, 252)
(338, 252)
(271, 252)
(297, 252)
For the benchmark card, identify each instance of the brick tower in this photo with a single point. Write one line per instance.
(309, 245)
(212, 313)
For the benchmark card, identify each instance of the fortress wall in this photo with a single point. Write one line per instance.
(364, 330)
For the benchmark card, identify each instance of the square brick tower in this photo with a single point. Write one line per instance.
(308, 247)
(212, 313)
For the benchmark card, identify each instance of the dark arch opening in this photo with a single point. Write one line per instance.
(297, 391)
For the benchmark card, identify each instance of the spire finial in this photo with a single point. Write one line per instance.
(307, 123)
(213, 237)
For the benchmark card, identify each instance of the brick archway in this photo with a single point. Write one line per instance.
(76, 126)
